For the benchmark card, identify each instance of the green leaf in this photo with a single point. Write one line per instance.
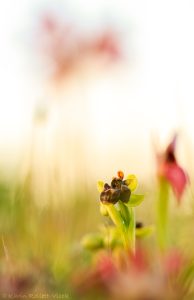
(115, 216)
(144, 231)
(135, 200)
(124, 212)
(100, 186)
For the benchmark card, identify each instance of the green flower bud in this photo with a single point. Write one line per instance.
(93, 241)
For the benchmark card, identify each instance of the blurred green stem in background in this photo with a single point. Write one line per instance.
(162, 214)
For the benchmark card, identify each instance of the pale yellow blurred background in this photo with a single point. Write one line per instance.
(100, 120)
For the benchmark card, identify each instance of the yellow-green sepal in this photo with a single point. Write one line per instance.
(100, 186)
(132, 182)
(135, 200)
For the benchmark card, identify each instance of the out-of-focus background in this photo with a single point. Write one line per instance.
(100, 119)
(87, 88)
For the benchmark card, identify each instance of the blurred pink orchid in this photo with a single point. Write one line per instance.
(150, 277)
(138, 278)
(65, 48)
(105, 44)
(139, 261)
(98, 277)
(58, 43)
(169, 169)
(106, 268)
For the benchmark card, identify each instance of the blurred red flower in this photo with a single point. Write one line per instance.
(169, 169)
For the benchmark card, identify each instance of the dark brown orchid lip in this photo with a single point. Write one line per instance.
(118, 190)
(106, 186)
(116, 183)
(125, 193)
(110, 196)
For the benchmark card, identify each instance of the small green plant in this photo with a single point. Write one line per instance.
(117, 202)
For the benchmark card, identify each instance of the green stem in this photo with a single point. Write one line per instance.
(131, 230)
(162, 214)
(118, 221)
